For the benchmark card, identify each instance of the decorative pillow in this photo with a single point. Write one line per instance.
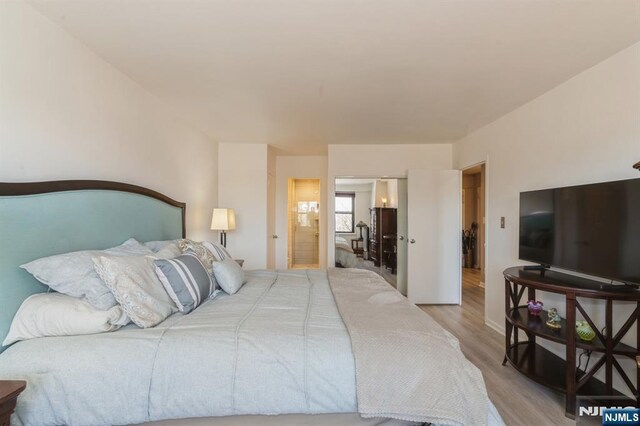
(168, 252)
(73, 273)
(136, 287)
(219, 252)
(229, 275)
(204, 254)
(156, 246)
(56, 314)
(186, 280)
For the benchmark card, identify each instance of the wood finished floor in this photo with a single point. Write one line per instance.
(519, 400)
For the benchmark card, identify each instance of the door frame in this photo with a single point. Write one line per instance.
(331, 201)
(291, 182)
(486, 231)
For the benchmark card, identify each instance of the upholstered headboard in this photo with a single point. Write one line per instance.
(40, 219)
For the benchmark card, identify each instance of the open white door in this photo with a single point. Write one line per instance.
(434, 260)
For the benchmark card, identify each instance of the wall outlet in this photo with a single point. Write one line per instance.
(502, 222)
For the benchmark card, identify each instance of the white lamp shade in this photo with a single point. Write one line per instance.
(223, 220)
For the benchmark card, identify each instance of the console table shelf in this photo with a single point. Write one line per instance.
(548, 369)
(540, 364)
(521, 318)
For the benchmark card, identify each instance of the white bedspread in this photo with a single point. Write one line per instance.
(401, 349)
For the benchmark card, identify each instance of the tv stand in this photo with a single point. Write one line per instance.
(542, 267)
(541, 365)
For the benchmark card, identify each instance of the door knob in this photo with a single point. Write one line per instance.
(274, 237)
(401, 237)
(412, 241)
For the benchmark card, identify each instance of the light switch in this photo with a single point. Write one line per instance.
(502, 222)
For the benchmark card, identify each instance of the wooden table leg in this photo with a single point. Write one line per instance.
(507, 324)
(570, 402)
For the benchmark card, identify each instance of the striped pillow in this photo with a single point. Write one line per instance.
(186, 280)
(219, 252)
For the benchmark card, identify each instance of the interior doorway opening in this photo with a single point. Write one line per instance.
(371, 227)
(303, 224)
(473, 234)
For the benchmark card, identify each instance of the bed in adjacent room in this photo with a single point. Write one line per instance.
(345, 257)
(340, 344)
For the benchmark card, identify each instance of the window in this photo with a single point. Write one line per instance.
(345, 212)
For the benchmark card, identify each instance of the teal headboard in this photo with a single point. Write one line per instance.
(40, 219)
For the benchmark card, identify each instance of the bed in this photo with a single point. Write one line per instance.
(345, 257)
(319, 347)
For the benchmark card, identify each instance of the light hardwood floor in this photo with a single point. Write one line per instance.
(519, 400)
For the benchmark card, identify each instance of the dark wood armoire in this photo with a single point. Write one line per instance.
(382, 237)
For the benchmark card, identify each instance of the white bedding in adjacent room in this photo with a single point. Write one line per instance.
(345, 256)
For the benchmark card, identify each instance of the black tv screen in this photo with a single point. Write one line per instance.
(593, 229)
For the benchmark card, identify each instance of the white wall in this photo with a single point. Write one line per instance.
(299, 167)
(271, 207)
(380, 161)
(242, 186)
(585, 130)
(67, 114)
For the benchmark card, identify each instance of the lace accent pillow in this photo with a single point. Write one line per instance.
(133, 282)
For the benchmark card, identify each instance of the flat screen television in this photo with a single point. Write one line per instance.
(593, 229)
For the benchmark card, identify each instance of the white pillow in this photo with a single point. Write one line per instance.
(229, 275)
(156, 246)
(168, 252)
(218, 250)
(56, 314)
(133, 282)
(73, 273)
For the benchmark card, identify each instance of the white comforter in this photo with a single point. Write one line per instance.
(277, 346)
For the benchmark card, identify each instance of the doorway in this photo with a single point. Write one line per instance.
(304, 224)
(371, 227)
(473, 234)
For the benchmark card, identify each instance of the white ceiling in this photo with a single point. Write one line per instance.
(300, 74)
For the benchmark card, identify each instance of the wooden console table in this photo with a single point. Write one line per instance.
(541, 365)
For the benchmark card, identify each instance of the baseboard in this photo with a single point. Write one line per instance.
(495, 326)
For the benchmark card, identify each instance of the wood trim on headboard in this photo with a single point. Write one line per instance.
(32, 188)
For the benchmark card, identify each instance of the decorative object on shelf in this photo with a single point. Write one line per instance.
(535, 307)
(361, 225)
(469, 238)
(223, 220)
(637, 165)
(585, 332)
(554, 319)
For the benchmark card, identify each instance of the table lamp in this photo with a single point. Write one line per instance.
(361, 225)
(223, 220)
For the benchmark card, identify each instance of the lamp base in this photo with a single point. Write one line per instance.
(223, 239)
